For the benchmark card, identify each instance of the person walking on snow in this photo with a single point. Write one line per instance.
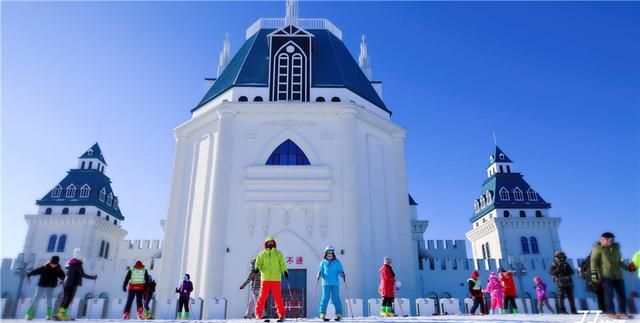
(74, 275)
(49, 275)
(475, 292)
(606, 270)
(147, 296)
(184, 291)
(510, 292)
(330, 270)
(542, 295)
(561, 272)
(387, 287)
(270, 263)
(137, 277)
(496, 290)
(254, 279)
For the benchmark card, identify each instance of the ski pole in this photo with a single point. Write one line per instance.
(290, 294)
(255, 302)
(346, 287)
(315, 290)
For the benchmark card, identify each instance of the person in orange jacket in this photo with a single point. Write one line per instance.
(510, 292)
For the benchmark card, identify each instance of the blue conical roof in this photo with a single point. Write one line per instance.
(94, 152)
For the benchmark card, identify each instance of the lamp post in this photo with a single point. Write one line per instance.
(519, 271)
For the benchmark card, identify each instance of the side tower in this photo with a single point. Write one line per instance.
(510, 218)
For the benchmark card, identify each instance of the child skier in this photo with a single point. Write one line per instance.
(147, 296)
(74, 275)
(387, 288)
(510, 292)
(254, 279)
(136, 279)
(330, 270)
(270, 263)
(561, 272)
(496, 290)
(49, 275)
(475, 291)
(542, 295)
(185, 289)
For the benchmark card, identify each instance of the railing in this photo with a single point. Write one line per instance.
(305, 23)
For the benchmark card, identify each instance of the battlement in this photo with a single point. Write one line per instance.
(445, 244)
(142, 244)
(467, 264)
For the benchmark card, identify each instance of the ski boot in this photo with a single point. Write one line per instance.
(504, 311)
(140, 316)
(338, 317)
(186, 315)
(324, 317)
(125, 315)
(179, 316)
(29, 315)
(514, 311)
(280, 320)
(148, 315)
(49, 314)
(62, 315)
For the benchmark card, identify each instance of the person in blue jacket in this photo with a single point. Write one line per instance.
(330, 270)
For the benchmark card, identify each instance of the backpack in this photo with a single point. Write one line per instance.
(584, 268)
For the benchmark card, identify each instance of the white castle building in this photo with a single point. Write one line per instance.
(292, 140)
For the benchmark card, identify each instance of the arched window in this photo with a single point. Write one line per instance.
(523, 214)
(65, 210)
(283, 77)
(61, 243)
(320, 99)
(296, 80)
(106, 218)
(532, 195)
(102, 249)
(488, 252)
(506, 214)
(524, 244)
(82, 166)
(55, 193)
(501, 156)
(517, 194)
(48, 211)
(71, 191)
(489, 198)
(501, 170)
(476, 206)
(82, 211)
(103, 193)
(115, 222)
(243, 99)
(90, 165)
(115, 203)
(482, 202)
(534, 245)
(484, 252)
(51, 247)
(288, 153)
(99, 213)
(508, 169)
(109, 199)
(106, 251)
(538, 214)
(90, 152)
(258, 99)
(335, 99)
(84, 191)
(504, 194)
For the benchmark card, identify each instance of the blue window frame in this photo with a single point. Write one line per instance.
(524, 243)
(52, 243)
(288, 153)
(62, 243)
(534, 245)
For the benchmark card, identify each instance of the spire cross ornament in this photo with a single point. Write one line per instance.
(291, 15)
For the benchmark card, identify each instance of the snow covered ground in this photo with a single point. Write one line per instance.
(520, 318)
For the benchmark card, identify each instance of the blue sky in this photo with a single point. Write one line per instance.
(558, 82)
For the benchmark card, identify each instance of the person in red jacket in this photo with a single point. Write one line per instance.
(387, 287)
(510, 292)
(136, 279)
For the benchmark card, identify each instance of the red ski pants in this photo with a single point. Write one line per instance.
(265, 288)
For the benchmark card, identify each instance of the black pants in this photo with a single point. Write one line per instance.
(138, 295)
(566, 292)
(509, 300)
(183, 302)
(600, 299)
(69, 294)
(146, 302)
(477, 301)
(611, 287)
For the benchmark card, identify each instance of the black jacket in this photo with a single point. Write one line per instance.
(561, 272)
(49, 275)
(75, 273)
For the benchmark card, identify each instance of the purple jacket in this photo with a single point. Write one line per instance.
(541, 290)
(185, 288)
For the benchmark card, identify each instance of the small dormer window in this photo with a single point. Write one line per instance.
(55, 193)
(71, 191)
(84, 191)
(482, 202)
(491, 158)
(90, 152)
(501, 156)
(109, 199)
(115, 203)
(517, 194)
(243, 99)
(476, 206)
(102, 195)
(489, 198)
(504, 194)
(532, 195)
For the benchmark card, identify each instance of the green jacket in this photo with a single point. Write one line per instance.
(271, 264)
(607, 262)
(636, 261)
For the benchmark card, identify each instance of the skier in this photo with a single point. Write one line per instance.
(584, 271)
(136, 278)
(254, 279)
(185, 289)
(270, 263)
(606, 270)
(496, 290)
(147, 296)
(49, 275)
(541, 293)
(561, 272)
(387, 288)
(74, 275)
(475, 292)
(510, 292)
(330, 270)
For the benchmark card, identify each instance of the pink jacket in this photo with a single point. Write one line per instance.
(495, 288)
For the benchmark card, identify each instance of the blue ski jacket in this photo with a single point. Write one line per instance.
(330, 272)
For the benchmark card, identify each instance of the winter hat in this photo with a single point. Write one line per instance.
(475, 274)
(608, 235)
(76, 254)
(387, 261)
(138, 265)
(492, 275)
(188, 276)
(329, 249)
(55, 260)
(560, 255)
(537, 279)
(268, 241)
